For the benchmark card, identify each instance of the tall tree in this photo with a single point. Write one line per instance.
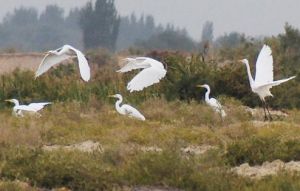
(18, 28)
(207, 32)
(100, 24)
(133, 29)
(51, 29)
(169, 39)
(207, 37)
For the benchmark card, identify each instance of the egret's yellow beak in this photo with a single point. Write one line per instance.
(111, 96)
(200, 86)
(9, 100)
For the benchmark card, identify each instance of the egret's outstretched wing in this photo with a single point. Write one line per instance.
(133, 63)
(152, 73)
(146, 78)
(276, 83)
(50, 60)
(132, 112)
(38, 106)
(264, 66)
(84, 67)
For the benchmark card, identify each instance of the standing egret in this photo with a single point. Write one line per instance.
(33, 107)
(263, 77)
(54, 57)
(152, 72)
(212, 102)
(127, 109)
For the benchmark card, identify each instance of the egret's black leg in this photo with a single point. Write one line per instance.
(270, 117)
(264, 106)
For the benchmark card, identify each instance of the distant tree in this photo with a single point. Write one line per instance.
(25, 30)
(207, 32)
(289, 49)
(18, 28)
(100, 24)
(73, 32)
(133, 30)
(290, 38)
(53, 15)
(149, 24)
(51, 31)
(72, 20)
(207, 37)
(169, 39)
(230, 40)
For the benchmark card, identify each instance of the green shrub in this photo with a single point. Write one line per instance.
(256, 150)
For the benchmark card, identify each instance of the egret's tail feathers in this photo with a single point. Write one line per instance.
(223, 114)
(36, 75)
(142, 118)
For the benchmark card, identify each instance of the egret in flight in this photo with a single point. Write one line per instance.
(54, 57)
(263, 77)
(152, 72)
(127, 109)
(31, 108)
(212, 102)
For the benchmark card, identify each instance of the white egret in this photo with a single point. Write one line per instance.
(31, 108)
(127, 109)
(152, 72)
(263, 77)
(212, 102)
(54, 57)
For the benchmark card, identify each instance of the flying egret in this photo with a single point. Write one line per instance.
(212, 102)
(152, 72)
(54, 57)
(263, 77)
(33, 107)
(127, 109)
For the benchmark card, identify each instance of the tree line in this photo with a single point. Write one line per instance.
(96, 25)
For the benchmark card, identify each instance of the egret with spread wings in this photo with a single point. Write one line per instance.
(212, 102)
(31, 108)
(53, 57)
(153, 71)
(127, 109)
(263, 81)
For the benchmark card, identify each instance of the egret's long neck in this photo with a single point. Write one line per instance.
(207, 94)
(16, 102)
(249, 74)
(118, 104)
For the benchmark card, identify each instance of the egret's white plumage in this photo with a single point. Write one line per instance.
(263, 81)
(54, 57)
(153, 71)
(127, 109)
(212, 102)
(33, 107)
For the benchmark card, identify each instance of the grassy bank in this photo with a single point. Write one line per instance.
(122, 163)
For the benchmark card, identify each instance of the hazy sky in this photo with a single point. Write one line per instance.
(253, 17)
